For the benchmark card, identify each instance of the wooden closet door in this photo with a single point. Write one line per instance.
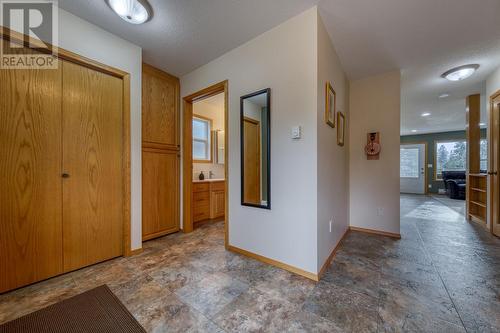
(160, 182)
(30, 176)
(92, 158)
(160, 107)
(160, 153)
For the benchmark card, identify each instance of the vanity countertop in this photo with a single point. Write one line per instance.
(208, 180)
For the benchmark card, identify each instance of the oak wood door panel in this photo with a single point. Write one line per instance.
(217, 204)
(30, 176)
(160, 115)
(160, 187)
(252, 161)
(494, 165)
(93, 148)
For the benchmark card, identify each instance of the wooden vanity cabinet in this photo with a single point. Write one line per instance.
(208, 200)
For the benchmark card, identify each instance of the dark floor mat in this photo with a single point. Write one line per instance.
(97, 310)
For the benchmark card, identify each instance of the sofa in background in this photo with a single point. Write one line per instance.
(455, 184)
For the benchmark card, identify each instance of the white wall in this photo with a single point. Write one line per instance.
(333, 168)
(374, 185)
(83, 38)
(283, 59)
(492, 86)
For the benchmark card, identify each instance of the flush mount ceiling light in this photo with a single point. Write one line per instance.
(426, 114)
(460, 73)
(444, 95)
(132, 11)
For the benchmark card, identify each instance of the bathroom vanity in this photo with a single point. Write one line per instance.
(208, 199)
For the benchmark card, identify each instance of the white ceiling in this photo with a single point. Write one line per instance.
(186, 34)
(422, 37)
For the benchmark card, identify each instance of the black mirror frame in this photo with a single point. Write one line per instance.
(242, 147)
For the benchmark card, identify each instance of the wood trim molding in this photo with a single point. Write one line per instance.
(275, 263)
(136, 251)
(21, 39)
(332, 255)
(376, 232)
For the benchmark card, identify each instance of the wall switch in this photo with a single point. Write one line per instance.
(296, 132)
(330, 225)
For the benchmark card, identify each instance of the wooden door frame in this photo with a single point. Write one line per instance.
(26, 41)
(426, 161)
(491, 183)
(187, 152)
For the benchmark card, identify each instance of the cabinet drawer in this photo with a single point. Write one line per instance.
(200, 198)
(200, 187)
(217, 186)
(201, 213)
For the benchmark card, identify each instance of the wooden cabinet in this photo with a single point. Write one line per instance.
(160, 153)
(63, 151)
(159, 180)
(208, 200)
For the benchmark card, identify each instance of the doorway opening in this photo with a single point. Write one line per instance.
(205, 157)
(413, 168)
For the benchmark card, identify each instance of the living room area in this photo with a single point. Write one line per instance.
(444, 138)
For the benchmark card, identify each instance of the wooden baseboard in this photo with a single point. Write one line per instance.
(275, 263)
(376, 232)
(136, 252)
(332, 255)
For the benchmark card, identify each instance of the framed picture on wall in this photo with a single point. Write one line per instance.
(340, 128)
(330, 105)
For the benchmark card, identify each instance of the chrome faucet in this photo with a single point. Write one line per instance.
(210, 174)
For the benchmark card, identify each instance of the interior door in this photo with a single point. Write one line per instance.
(494, 163)
(92, 161)
(252, 161)
(412, 168)
(30, 176)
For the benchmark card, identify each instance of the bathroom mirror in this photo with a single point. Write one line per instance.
(255, 120)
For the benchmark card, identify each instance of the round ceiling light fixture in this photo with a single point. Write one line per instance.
(426, 114)
(132, 11)
(460, 73)
(444, 95)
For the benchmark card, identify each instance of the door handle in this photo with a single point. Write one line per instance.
(65, 175)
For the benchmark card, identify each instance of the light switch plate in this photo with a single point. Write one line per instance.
(296, 132)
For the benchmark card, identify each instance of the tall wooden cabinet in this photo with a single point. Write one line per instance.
(61, 171)
(160, 153)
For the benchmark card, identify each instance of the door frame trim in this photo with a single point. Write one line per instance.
(426, 161)
(187, 152)
(491, 189)
(26, 41)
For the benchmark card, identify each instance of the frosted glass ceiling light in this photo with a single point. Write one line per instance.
(132, 11)
(460, 73)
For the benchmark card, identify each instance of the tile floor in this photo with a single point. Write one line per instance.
(442, 276)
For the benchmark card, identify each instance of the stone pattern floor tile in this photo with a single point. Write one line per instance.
(443, 275)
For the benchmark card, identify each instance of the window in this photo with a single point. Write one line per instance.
(450, 156)
(483, 155)
(409, 163)
(201, 139)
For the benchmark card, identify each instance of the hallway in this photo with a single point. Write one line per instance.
(442, 276)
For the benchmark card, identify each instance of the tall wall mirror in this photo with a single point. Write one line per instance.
(255, 119)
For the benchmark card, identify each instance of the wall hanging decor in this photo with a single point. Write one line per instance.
(330, 105)
(340, 128)
(372, 148)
